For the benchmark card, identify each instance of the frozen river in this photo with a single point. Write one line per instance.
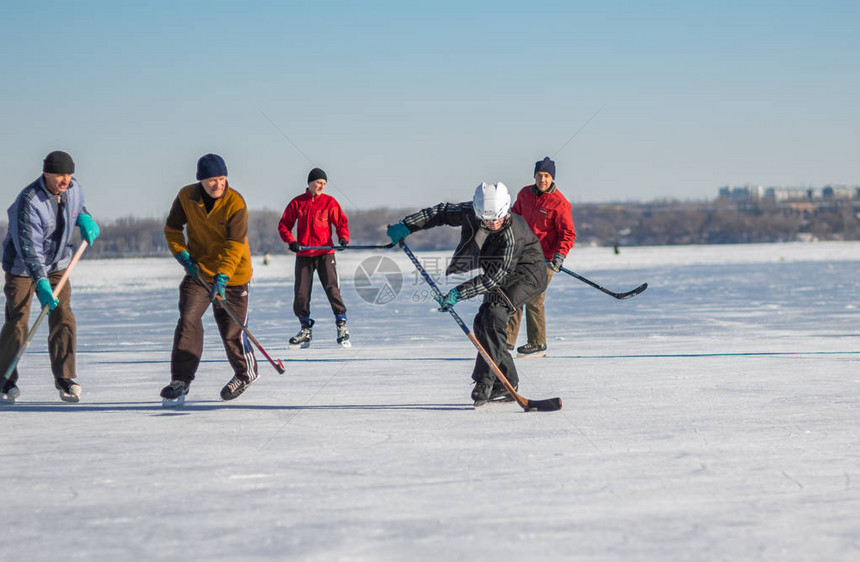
(716, 416)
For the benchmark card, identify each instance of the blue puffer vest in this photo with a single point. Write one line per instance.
(39, 240)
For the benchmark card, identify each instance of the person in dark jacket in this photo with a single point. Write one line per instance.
(36, 252)
(513, 272)
(314, 213)
(548, 214)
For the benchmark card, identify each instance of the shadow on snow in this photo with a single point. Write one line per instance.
(203, 406)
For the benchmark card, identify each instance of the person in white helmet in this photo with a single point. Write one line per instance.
(511, 261)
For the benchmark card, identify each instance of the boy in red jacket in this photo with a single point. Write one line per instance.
(549, 216)
(315, 214)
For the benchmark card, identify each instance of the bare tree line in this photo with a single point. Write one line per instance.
(606, 224)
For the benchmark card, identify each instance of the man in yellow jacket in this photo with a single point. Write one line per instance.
(216, 251)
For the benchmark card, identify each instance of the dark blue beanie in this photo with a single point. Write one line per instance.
(211, 166)
(545, 165)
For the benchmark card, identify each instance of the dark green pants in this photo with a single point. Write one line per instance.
(61, 326)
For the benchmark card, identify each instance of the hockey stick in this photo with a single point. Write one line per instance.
(547, 405)
(277, 365)
(63, 279)
(338, 248)
(619, 296)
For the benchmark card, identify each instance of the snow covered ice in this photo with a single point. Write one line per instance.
(713, 417)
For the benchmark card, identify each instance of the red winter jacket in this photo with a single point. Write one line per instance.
(549, 216)
(315, 217)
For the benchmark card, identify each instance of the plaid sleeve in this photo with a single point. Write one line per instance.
(451, 214)
(495, 274)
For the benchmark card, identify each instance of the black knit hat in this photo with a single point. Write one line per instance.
(545, 165)
(58, 162)
(211, 166)
(317, 174)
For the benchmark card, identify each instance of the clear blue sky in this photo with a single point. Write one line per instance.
(407, 105)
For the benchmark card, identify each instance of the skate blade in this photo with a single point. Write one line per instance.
(346, 344)
(494, 402)
(528, 355)
(173, 402)
(300, 345)
(6, 399)
(70, 398)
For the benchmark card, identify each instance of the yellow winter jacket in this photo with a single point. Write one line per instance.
(216, 240)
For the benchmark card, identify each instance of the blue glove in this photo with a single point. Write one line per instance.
(557, 260)
(397, 232)
(89, 228)
(448, 301)
(189, 264)
(46, 294)
(219, 285)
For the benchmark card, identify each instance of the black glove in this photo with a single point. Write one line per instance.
(557, 260)
(342, 241)
(295, 246)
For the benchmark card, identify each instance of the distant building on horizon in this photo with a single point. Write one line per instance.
(750, 192)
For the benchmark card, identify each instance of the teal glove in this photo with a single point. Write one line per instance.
(89, 228)
(219, 285)
(397, 232)
(46, 294)
(189, 264)
(448, 301)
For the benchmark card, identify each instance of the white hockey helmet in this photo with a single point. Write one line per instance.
(492, 201)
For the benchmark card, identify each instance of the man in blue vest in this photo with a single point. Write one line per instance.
(36, 252)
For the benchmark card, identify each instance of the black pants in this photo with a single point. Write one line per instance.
(491, 331)
(326, 268)
(491, 324)
(61, 322)
(188, 338)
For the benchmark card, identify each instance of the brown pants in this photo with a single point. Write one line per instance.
(188, 337)
(535, 318)
(61, 326)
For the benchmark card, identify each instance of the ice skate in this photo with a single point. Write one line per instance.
(70, 390)
(173, 395)
(10, 393)
(481, 393)
(501, 394)
(236, 386)
(343, 334)
(531, 350)
(302, 340)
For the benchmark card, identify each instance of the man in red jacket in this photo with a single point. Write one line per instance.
(315, 214)
(548, 214)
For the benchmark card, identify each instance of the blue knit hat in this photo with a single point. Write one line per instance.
(211, 166)
(545, 165)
